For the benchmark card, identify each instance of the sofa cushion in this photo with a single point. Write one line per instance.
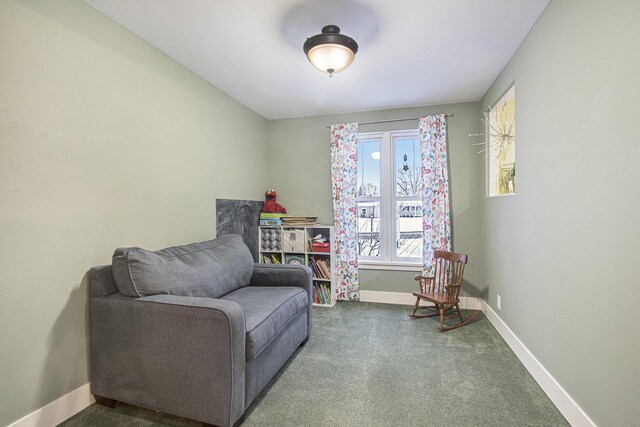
(207, 269)
(268, 310)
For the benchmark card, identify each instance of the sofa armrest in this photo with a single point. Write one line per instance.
(281, 275)
(176, 354)
(286, 275)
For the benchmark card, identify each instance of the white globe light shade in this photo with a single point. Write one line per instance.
(330, 58)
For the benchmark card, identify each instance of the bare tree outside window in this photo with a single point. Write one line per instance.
(369, 232)
(369, 197)
(408, 215)
(407, 182)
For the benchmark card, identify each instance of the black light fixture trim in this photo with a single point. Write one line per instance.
(330, 35)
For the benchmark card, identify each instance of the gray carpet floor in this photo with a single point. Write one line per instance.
(371, 365)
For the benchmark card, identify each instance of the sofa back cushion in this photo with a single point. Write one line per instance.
(207, 269)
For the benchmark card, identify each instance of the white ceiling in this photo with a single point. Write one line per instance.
(412, 52)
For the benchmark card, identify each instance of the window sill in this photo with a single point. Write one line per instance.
(393, 266)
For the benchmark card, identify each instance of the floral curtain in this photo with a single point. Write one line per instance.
(436, 219)
(344, 161)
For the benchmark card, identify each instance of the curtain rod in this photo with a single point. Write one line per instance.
(394, 120)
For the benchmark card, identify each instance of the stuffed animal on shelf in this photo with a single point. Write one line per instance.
(270, 204)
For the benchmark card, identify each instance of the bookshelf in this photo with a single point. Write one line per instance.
(289, 244)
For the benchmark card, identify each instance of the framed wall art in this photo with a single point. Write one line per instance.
(501, 145)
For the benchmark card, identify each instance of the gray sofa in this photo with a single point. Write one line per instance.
(195, 331)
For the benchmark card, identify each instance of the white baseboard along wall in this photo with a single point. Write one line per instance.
(71, 403)
(558, 395)
(405, 298)
(63, 408)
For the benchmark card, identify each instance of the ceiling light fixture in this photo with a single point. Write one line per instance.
(330, 51)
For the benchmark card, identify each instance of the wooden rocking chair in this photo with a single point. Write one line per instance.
(443, 289)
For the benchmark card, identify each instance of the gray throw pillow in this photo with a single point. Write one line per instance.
(207, 269)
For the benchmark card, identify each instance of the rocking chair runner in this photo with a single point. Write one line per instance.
(443, 289)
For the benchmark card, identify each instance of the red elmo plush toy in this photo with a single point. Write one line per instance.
(270, 204)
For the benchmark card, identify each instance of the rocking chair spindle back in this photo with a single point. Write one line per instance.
(443, 289)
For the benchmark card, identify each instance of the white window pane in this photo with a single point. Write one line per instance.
(369, 168)
(408, 229)
(407, 166)
(368, 229)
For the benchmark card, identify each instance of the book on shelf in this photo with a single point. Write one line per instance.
(318, 296)
(271, 259)
(327, 291)
(302, 221)
(314, 268)
(265, 215)
(323, 264)
(321, 268)
(321, 293)
(273, 222)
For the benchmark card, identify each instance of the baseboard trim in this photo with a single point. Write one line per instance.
(558, 395)
(71, 403)
(406, 298)
(52, 414)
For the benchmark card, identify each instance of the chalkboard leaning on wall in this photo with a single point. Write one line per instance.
(239, 217)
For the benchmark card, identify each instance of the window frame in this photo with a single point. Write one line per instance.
(388, 259)
(364, 137)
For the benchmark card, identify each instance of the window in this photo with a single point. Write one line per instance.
(389, 203)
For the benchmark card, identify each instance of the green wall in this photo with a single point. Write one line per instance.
(104, 142)
(299, 157)
(562, 252)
